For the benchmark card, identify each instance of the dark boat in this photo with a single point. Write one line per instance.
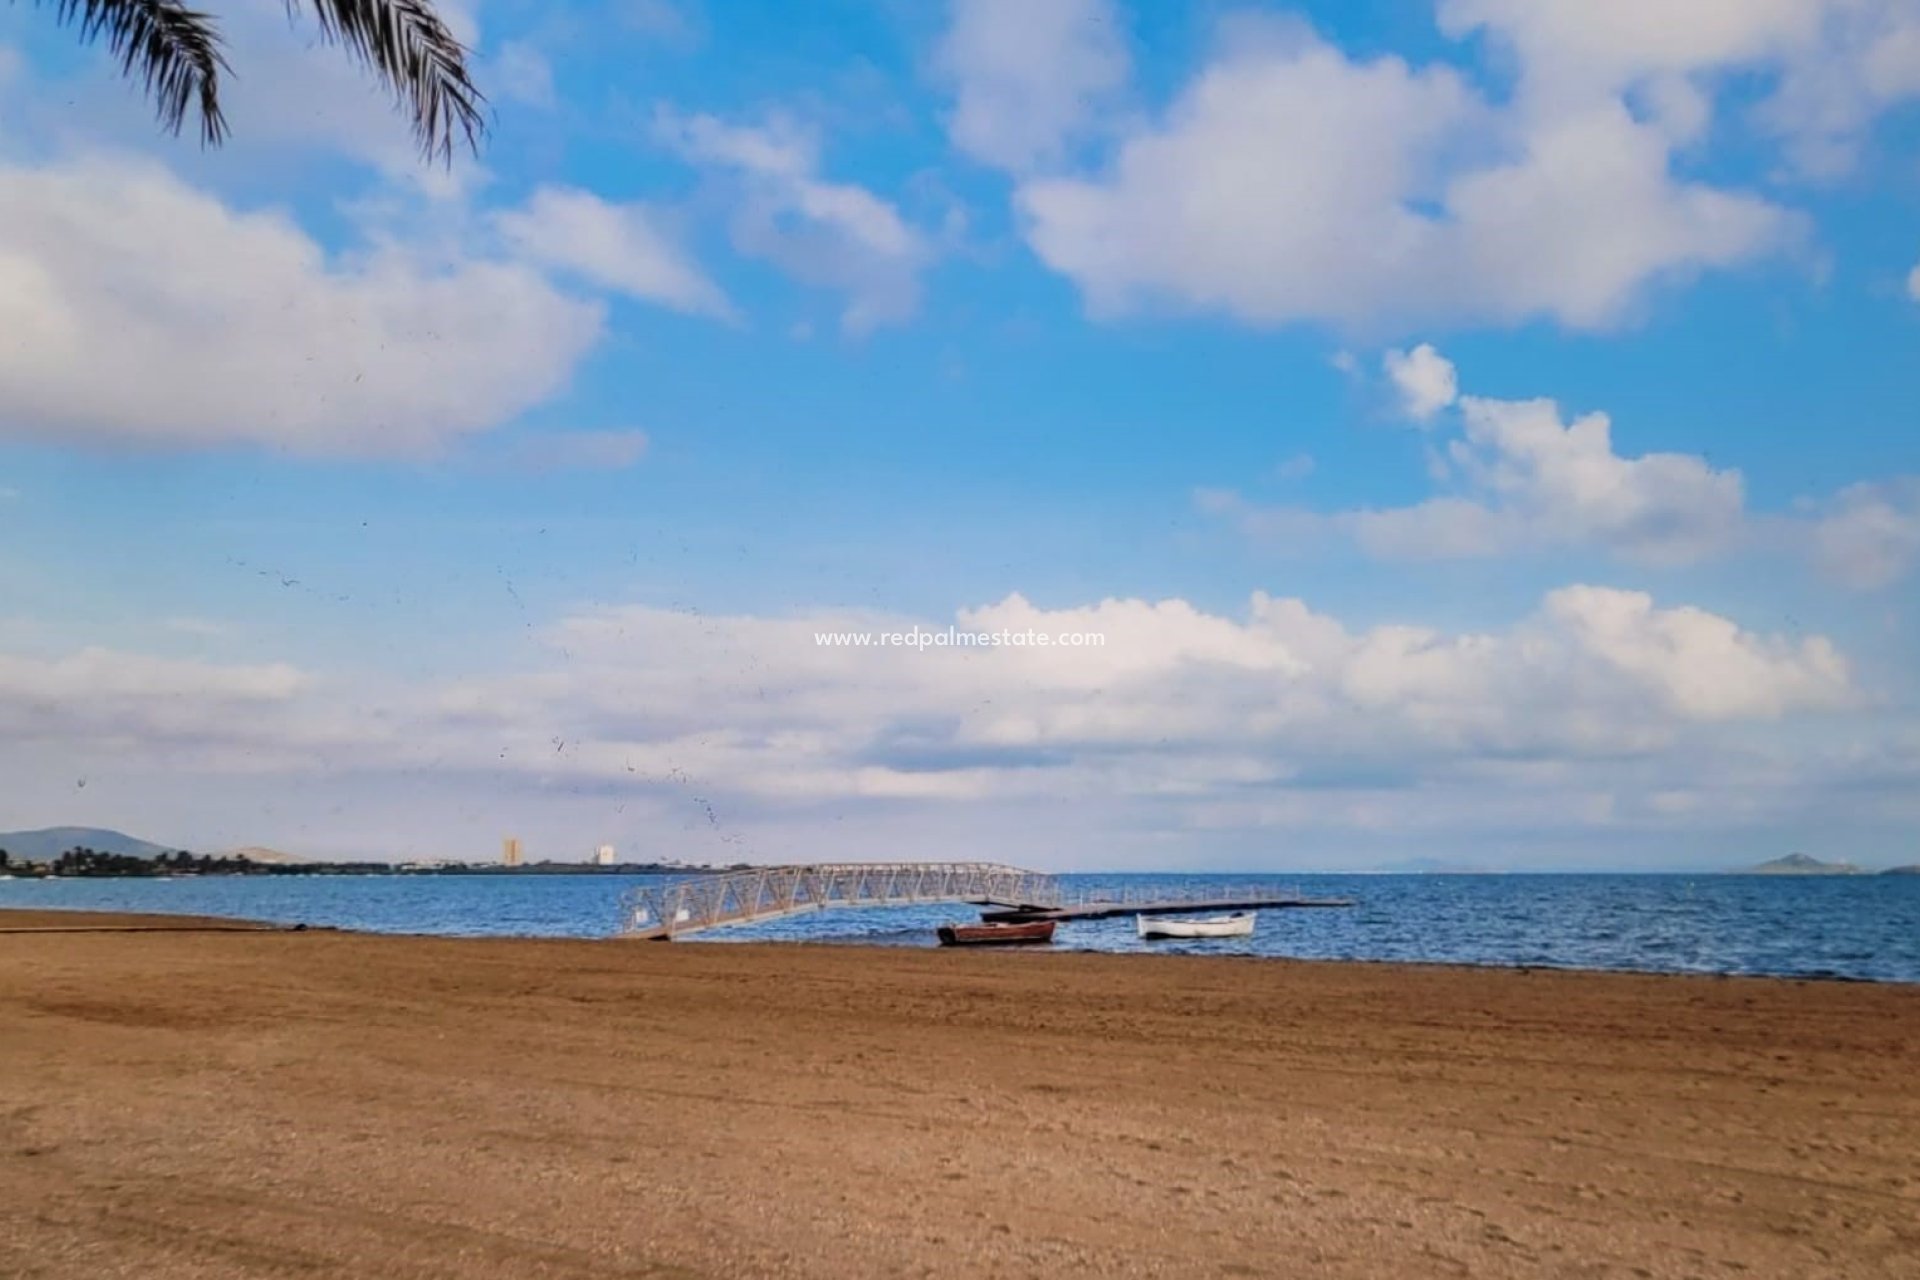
(995, 935)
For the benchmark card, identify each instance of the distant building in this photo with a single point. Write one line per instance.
(510, 852)
(603, 856)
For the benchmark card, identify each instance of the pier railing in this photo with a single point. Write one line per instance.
(681, 905)
(1171, 895)
(688, 904)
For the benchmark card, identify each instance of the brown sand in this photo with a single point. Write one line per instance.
(322, 1104)
(15, 920)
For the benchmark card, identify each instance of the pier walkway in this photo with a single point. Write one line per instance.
(1162, 905)
(688, 904)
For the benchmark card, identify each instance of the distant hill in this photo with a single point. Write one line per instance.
(1911, 869)
(1799, 864)
(51, 842)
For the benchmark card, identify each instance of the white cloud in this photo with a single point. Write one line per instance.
(1701, 666)
(141, 310)
(523, 74)
(1272, 189)
(1594, 670)
(1029, 78)
(1574, 49)
(1281, 715)
(1425, 380)
(1564, 480)
(1527, 481)
(1682, 110)
(1289, 182)
(1827, 68)
(1520, 479)
(1589, 216)
(622, 247)
(1870, 535)
(834, 235)
(132, 702)
(289, 89)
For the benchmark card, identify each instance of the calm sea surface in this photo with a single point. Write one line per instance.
(1864, 927)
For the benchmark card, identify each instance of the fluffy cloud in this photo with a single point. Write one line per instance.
(1827, 68)
(1175, 696)
(1290, 182)
(1527, 479)
(109, 700)
(619, 247)
(1425, 380)
(1272, 189)
(830, 234)
(1573, 49)
(1519, 478)
(289, 95)
(141, 310)
(1563, 481)
(730, 736)
(1029, 78)
(1697, 664)
(1870, 535)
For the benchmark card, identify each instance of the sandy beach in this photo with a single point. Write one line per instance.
(234, 1103)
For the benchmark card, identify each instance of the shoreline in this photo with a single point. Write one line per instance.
(15, 920)
(12, 921)
(348, 1104)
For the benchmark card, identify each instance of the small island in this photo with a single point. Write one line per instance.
(1800, 864)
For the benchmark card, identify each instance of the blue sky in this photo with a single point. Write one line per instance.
(1480, 431)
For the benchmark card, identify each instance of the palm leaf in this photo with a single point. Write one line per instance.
(409, 47)
(171, 49)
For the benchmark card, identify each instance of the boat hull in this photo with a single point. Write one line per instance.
(1233, 926)
(995, 935)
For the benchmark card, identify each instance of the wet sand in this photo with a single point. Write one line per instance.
(211, 1104)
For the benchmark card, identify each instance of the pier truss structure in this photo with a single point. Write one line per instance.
(678, 905)
(681, 905)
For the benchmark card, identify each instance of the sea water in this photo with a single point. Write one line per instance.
(1861, 927)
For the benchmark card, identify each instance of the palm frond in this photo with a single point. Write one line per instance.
(409, 47)
(171, 49)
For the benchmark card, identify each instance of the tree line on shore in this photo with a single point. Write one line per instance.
(83, 861)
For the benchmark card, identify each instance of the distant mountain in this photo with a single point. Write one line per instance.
(51, 842)
(1799, 864)
(1911, 869)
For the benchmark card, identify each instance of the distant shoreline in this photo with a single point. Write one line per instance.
(271, 869)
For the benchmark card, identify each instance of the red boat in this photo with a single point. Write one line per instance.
(995, 935)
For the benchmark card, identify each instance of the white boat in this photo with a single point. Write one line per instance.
(1237, 925)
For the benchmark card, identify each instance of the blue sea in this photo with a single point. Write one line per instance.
(1865, 927)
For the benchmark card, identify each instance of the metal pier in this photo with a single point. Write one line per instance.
(688, 904)
(692, 903)
(1159, 907)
